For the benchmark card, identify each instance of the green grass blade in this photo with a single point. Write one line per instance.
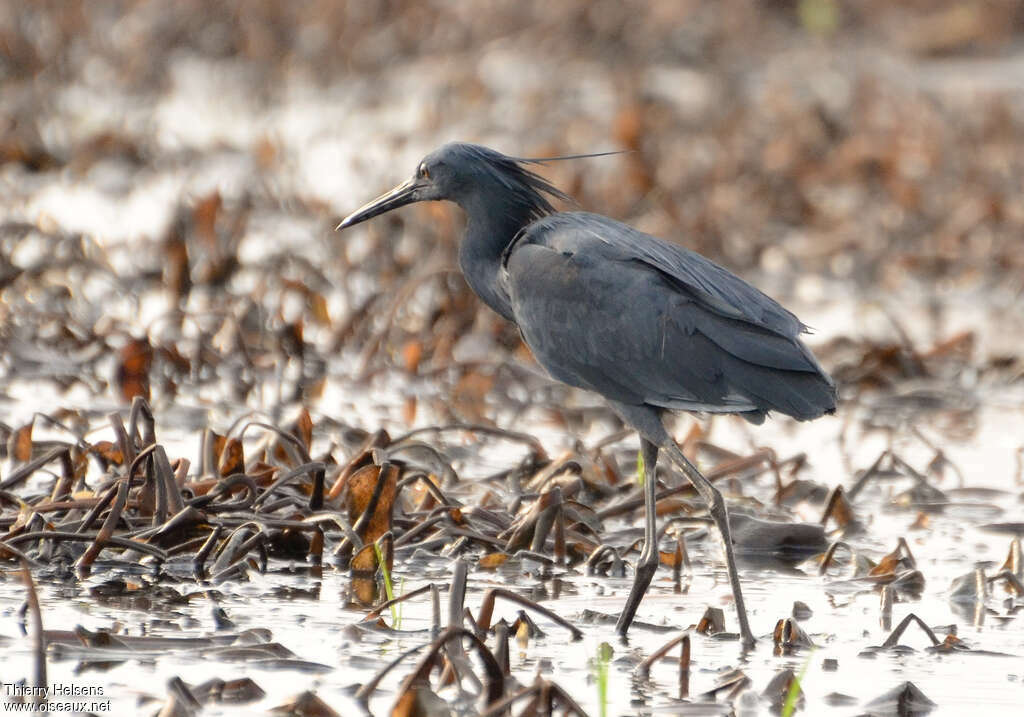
(789, 706)
(388, 587)
(600, 668)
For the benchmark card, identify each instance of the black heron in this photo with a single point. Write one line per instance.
(650, 326)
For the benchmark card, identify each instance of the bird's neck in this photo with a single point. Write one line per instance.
(489, 230)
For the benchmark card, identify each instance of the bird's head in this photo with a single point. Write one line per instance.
(461, 172)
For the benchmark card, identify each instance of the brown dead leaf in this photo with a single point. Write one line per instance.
(838, 507)
(134, 364)
(19, 444)
(361, 487)
(363, 571)
(302, 428)
(361, 458)
(960, 346)
(895, 562)
(80, 464)
(490, 561)
(712, 622)
(204, 217)
(673, 506)
(231, 459)
(266, 151)
(263, 473)
(176, 272)
(412, 354)
(420, 701)
(470, 392)
(318, 309)
(409, 410)
(307, 704)
(291, 338)
(670, 559)
(788, 634)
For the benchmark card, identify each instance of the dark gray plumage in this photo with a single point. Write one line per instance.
(642, 321)
(647, 324)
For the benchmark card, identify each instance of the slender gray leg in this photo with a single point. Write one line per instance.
(647, 565)
(647, 421)
(716, 506)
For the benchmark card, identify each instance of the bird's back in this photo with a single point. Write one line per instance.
(643, 321)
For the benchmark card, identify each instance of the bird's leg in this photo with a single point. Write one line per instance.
(647, 565)
(716, 506)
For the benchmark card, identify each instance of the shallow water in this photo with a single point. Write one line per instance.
(308, 614)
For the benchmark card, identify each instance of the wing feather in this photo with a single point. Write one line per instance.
(600, 314)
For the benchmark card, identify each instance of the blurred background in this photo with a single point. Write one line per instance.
(171, 172)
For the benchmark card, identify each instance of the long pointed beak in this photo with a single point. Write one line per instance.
(401, 195)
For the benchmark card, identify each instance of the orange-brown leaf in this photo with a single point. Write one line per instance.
(134, 364)
(409, 410)
(490, 561)
(412, 354)
(204, 215)
(19, 445)
(232, 458)
(361, 487)
(318, 308)
(303, 428)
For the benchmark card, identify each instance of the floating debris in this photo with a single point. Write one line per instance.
(904, 700)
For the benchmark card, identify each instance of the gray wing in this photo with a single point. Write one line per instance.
(641, 321)
(717, 289)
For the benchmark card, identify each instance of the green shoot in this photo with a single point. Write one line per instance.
(640, 469)
(789, 706)
(600, 667)
(389, 590)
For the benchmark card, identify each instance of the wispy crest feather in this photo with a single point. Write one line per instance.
(529, 192)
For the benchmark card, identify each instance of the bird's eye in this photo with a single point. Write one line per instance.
(423, 172)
